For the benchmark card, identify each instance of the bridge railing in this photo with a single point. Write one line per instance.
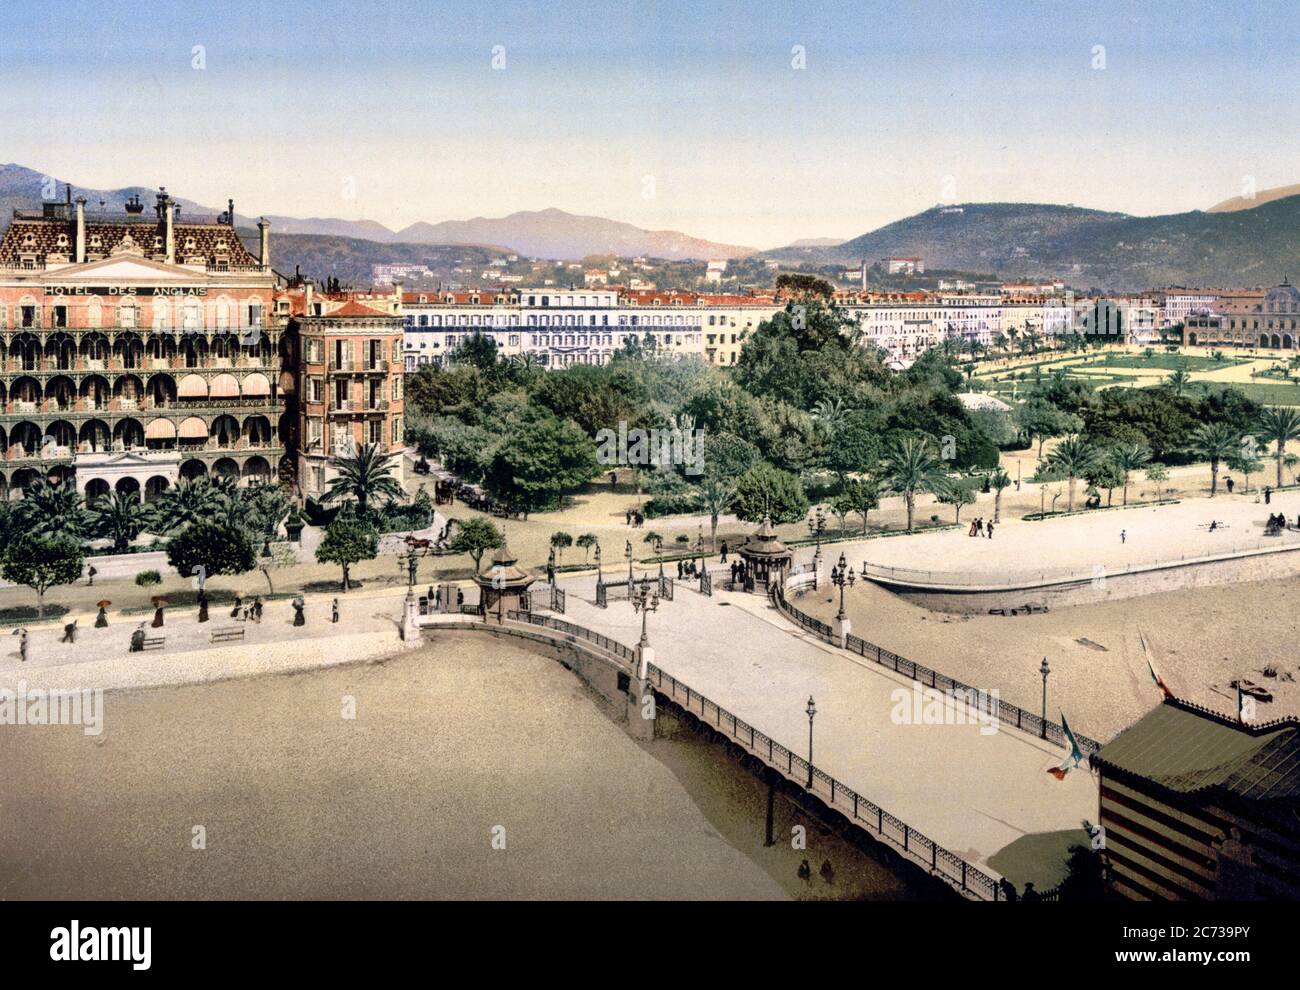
(577, 631)
(1007, 713)
(912, 844)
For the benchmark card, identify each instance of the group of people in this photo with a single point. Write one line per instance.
(979, 527)
(687, 569)
(1277, 523)
(827, 871)
(739, 572)
(635, 519)
(244, 612)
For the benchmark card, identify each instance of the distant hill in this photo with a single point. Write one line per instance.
(350, 258)
(817, 242)
(1259, 199)
(1088, 248)
(569, 237)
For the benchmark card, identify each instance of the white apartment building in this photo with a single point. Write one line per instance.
(1177, 304)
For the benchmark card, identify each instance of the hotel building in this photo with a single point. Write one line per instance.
(137, 348)
(1254, 318)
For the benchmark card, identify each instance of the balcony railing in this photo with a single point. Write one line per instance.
(360, 367)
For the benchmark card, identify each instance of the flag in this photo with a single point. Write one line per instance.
(1076, 754)
(1159, 681)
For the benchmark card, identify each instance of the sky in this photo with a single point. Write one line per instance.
(747, 123)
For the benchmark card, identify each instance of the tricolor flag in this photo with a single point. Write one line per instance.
(1076, 754)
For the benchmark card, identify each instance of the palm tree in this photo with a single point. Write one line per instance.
(1073, 457)
(53, 511)
(118, 516)
(1280, 424)
(586, 541)
(1131, 457)
(1179, 382)
(1215, 442)
(362, 475)
(186, 502)
(998, 481)
(910, 467)
(828, 414)
(715, 498)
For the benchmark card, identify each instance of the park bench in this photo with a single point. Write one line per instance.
(154, 642)
(228, 635)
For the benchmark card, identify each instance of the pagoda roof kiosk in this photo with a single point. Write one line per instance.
(766, 558)
(502, 583)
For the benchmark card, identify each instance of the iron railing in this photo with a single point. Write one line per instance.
(1008, 714)
(914, 845)
(579, 632)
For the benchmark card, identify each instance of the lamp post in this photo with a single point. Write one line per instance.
(645, 603)
(659, 555)
(1044, 670)
(842, 574)
(628, 553)
(600, 573)
(812, 711)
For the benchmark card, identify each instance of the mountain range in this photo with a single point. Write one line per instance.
(548, 233)
(1233, 243)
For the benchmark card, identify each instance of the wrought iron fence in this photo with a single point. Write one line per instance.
(665, 588)
(913, 844)
(557, 599)
(1008, 714)
(579, 632)
(706, 583)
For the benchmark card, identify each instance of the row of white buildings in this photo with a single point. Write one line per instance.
(563, 327)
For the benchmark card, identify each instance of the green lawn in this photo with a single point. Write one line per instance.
(1168, 362)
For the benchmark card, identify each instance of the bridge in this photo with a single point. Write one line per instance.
(946, 797)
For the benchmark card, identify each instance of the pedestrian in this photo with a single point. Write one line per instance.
(298, 619)
(70, 632)
(334, 611)
(257, 609)
(203, 606)
(979, 525)
(239, 607)
(1268, 495)
(90, 573)
(21, 633)
(805, 872)
(1229, 483)
(828, 874)
(724, 552)
(1031, 896)
(1123, 536)
(101, 620)
(990, 529)
(680, 572)
(137, 639)
(157, 616)
(971, 531)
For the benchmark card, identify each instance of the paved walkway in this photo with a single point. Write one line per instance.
(971, 792)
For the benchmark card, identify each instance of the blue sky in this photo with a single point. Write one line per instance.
(667, 115)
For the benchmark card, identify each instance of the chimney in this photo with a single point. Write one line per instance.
(308, 287)
(81, 230)
(169, 231)
(264, 240)
(230, 211)
(397, 295)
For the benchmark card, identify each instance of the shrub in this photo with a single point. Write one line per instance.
(147, 579)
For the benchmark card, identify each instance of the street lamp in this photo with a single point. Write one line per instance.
(628, 553)
(600, 573)
(659, 555)
(1044, 670)
(645, 603)
(812, 711)
(842, 574)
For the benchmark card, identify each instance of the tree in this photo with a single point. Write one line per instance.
(475, 537)
(560, 541)
(958, 494)
(1073, 457)
(1130, 457)
(362, 475)
(1178, 382)
(49, 510)
(716, 494)
(860, 496)
(1280, 424)
(764, 490)
(1105, 473)
(999, 481)
(184, 503)
(1246, 463)
(42, 563)
(348, 540)
(1215, 442)
(911, 467)
(586, 541)
(1158, 473)
(206, 549)
(118, 516)
(1041, 420)
(539, 461)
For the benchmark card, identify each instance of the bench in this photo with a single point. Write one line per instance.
(228, 635)
(154, 642)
